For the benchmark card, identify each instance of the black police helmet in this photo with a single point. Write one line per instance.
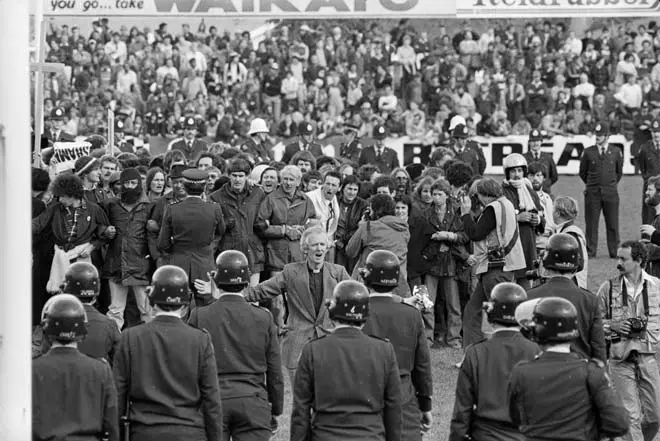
(64, 318)
(554, 320)
(504, 299)
(82, 281)
(349, 303)
(382, 269)
(562, 253)
(169, 286)
(233, 269)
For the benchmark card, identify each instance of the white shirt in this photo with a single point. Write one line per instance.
(326, 216)
(631, 95)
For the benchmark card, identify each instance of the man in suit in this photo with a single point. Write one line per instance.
(305, 142)
(326, 206)
(402, 325)
(191, 229)
(308, 284)
(461, 150)
(348, 384)
(73, 395)
(534, 154)
(382, 157)
(56, 134)
(165, 370)
(601, 169)
(560, 262)
(648, 161)
(190, 146)
(249, 364)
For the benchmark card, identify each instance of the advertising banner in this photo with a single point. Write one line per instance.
(557, 8)
(271, 9)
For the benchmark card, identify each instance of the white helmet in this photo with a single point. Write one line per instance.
(514, 160)
(257, 125)
(456, 120)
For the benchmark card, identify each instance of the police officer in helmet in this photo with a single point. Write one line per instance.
(349, 381)
(86, 406)
(560, 394)
(250, 352)
(402, 325)
(561, 260)
(481, 409)
(166, 370)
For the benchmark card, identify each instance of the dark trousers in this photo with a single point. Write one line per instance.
(472, 315)
(607, 201)
(648, 213)
(166, 432)
(246, 419)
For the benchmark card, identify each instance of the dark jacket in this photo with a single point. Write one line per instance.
(420, 236)
(563, 396)
(591, 343)
(481, 408)
(601, 172)
(551, 175)
(240, 212)
(248, 356)
(167, 370)
(347, 406)
(261, 152)
(157, 218)
(73, 395)
(291, 149)
(388, 161)
(648, 160)
(441, 256)
(127, 259)
(191, 154)
(351, 214)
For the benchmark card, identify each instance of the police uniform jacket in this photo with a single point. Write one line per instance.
(351, 382)
(248, 352)
(402, 325)
(291, 149)
(100, 342)
(189, 233)
(262, 152)
(388, 161)
(127, 258)
(470, 157)
(59, 136)
(601, 172)
(591, 343)
(481, 408)
(648, 160)
(278, 210)
(191, 152)
(73, 397)
(564, 396)
(303, 323)
(167, 370)
(240, 212)
(157, 216)
(474, 145)
(551, 175)
(351, 151)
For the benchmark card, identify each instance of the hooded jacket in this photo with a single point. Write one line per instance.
(387, 233)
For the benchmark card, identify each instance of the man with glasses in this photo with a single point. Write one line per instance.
(327, 207)
(190, 146)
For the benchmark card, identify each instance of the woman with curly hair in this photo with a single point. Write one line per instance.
(78, 227)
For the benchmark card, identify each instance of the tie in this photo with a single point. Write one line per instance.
(331, 216)
(602, 151)
(538, 157)
(190, 145)
(379, 153)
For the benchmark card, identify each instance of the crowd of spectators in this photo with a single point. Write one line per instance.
(506, 80)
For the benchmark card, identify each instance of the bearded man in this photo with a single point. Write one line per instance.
(127, 260)
(652, 200)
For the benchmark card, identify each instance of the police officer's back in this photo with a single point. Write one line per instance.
(481, 408)
(402, 325)
(82, 281)
(73, 395)
(560, 395)
(248, 353)
(348, 379)
(166, 370)
(560, 262)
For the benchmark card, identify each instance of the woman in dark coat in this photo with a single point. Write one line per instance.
(351, 208)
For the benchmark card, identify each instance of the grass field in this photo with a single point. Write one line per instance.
(601, 268)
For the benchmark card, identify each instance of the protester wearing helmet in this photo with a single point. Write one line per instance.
(385, 158)
(85, 405)
(481, 407)
(250, 347)
(630, 305)
(529, 211)
(258, 145)
(561, 261)
(559, 393)
(402, 325)
(348, 384)
(167, 370)
(304, 143)
(82, 281)
(601, 169)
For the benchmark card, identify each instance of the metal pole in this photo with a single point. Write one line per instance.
(111, 132)
(39, 93)
(15, 234)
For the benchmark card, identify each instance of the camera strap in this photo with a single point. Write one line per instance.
(624, 294)
(507, 249)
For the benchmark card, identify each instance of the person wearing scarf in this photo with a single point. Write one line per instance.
(529, 211)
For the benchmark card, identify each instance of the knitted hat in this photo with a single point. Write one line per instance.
(85, 164)
(129, 174)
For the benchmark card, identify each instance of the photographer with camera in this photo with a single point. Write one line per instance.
(559, 263)
(630, 305)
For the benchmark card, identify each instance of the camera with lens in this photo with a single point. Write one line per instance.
(535, 272)
(637, 327)
(496, 256)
